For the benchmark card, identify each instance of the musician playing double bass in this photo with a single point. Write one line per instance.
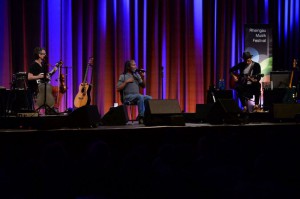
(247, 81)
(38, 70)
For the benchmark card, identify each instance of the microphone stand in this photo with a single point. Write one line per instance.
(162, 81)
(66, 96)
(66, 78)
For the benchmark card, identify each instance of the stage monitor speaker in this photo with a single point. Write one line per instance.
(3, 101)
(285, 111)
(202, 111)
(115, 116)
(224, 111)
(85, 117)
(163, 112)
(274, 96)
(212, 96)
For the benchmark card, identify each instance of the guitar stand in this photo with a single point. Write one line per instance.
(48, 109)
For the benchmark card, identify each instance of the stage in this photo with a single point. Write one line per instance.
(45, 157)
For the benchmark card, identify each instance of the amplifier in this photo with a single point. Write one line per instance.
(274, 96)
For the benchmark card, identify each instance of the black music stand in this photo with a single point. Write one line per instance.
(48, 110)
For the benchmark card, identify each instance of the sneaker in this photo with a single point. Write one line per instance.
(256, 109)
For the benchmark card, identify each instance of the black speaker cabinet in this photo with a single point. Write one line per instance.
(215, 95)
(115, 116)
(17, 101)
(274, 96)
(85, 117)
(285, 111)
(3, 101)
(163, 112)
(202, 111)
(224, 111)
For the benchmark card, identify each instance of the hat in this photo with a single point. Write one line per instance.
(247, 55)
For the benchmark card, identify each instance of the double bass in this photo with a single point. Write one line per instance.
(62, 86)
(59, 90)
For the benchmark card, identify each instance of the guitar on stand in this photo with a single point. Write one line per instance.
(291, 94)
(83, 96)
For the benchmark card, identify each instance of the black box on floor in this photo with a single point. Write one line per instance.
(202, 111)
(163, 112)
(274, 96)
(285, 111)
(213, 96)
(115, 116)
(192, 118)
(85, 116)
(224, 111)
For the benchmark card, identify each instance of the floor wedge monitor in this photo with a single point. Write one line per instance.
(163, 112)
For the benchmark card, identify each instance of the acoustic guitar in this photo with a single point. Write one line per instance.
(242, 79)
(83, 96)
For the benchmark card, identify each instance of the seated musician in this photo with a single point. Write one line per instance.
(247, 75)
(36, 72)
(129, 82)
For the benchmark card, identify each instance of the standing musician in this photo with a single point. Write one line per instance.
(247, 81)
(37, 73)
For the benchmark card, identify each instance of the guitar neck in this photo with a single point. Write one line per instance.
(52, 71)
(57, 66)
(85, 75)
(292, 73)
(291, 79)
(90, 63)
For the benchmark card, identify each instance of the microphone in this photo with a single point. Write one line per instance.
(137, 76)
(140, 70)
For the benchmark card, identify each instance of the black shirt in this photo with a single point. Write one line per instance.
(35, 69)
(256, 70)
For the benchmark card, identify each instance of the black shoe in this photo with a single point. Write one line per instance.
(141, 120)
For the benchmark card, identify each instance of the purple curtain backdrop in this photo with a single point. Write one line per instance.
(184, 45)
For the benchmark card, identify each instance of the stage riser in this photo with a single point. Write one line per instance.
(43, 122)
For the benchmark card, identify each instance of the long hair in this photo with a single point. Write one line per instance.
(36, 52)
(127, 66)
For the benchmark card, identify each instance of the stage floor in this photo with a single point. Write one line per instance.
(64, 122)
(44, 157)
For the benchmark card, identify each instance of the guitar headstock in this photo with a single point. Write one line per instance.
(91, 61)
(59, 64)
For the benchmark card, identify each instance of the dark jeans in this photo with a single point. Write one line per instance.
(140, 99)
(246, 92)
